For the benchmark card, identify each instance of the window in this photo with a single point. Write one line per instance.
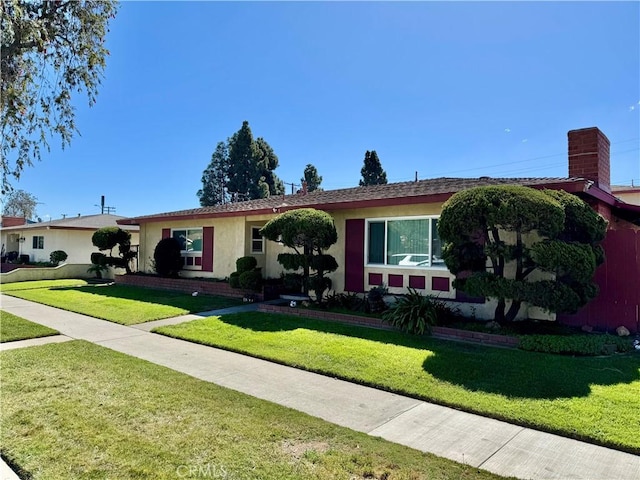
(257, 240)
(190, 239)
(38, 242)
(404, 242)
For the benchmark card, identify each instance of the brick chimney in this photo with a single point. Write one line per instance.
(589, 156)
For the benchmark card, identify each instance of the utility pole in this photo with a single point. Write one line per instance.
(292, 186)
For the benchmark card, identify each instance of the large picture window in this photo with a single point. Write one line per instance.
(404, 242)
(190, 239)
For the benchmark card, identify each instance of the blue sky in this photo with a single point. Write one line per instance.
(444, 89)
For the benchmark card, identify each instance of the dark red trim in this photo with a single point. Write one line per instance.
(396, 280)
(417, 281)
(166, 232)
(440, 284)
(354, 255)
(375, 279)
(207, 249)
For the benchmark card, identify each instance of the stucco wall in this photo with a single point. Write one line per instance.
(632, 197)
(66, 270)
(228, 241)
(76, 243)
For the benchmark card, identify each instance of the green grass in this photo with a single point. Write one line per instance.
(115, 416)
(17, 286)
(14, 328)
(122, 304)
(594, 399)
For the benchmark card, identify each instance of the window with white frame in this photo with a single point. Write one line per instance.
(38, 242)
(190, 239)
(257, 240)
(404, 242)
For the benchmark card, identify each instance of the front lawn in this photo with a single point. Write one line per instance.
(17, 286)
(13, 328)
(124, 304)
(594, 399)
(78, 410)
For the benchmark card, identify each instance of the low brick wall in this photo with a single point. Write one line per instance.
(183, 285)
(438, 332)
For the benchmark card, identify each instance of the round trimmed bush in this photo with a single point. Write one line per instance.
(246, 264)
(234, 280)
(167, 257)
(251, 280)
(98, 258)
(58, 256)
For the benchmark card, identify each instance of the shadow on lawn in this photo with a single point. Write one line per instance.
(508, 372)
(170, 298)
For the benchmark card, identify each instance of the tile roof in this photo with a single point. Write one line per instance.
(333, 199)
(87, 222)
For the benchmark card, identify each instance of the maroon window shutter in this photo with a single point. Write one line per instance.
(166, 232)
(354, 256)
(207, 249)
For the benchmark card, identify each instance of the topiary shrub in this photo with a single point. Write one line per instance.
(246, 264)
(309, 233)
(58, 256)
(413, 313)
(98, 258)
(246, 276)
(488, 246)
(167, 257)
(107, 238)
(234, 280)
(251, 280)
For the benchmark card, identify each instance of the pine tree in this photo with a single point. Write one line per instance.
(243, 169)
(267, 162)
(244, 166)
(215, 177)
(372, 172)
(312, 178)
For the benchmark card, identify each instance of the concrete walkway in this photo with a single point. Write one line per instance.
(496, 446)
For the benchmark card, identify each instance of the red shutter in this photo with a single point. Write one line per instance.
(354, 256)
(166, 232)
(207, 249)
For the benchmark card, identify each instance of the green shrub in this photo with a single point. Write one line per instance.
(348, 301)
(234, 280)
(575, 344)
(167, 257)
(412, 313)
(251, 280)
(58, 256)
(292, 282)
(98, 258)
(97, 269)
(375, 299)
(246, 264)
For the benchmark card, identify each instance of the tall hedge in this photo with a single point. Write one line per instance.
(475, 224)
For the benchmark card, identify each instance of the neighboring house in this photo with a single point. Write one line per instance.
(72, 235)
(628, 194)
(387, 234)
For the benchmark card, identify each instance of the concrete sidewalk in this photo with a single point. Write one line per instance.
(496, 446)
